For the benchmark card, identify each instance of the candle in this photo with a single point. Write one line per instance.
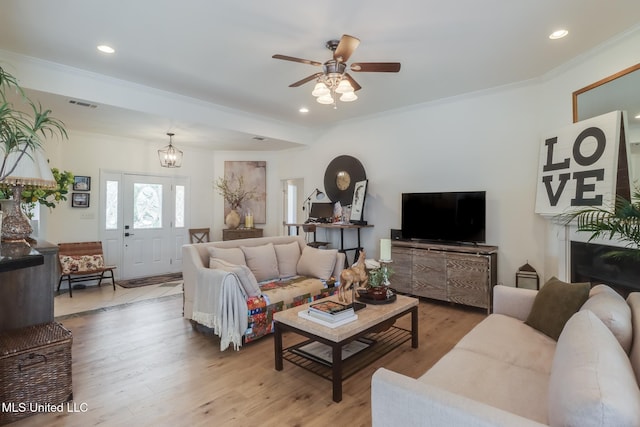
(385, 249)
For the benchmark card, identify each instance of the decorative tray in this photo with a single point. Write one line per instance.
(374, 301)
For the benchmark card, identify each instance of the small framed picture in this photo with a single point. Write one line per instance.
(79, 200)
(81, 183)
(357, 205)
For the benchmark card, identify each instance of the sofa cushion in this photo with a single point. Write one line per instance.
(231, 255)
(613, 311)
(592, 382)
(555, 303)
(634, 303)
(288, 255)
(262, 261)
(245, 276)
(492, 381)
(317, 262)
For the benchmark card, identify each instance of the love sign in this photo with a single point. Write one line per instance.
(579, 165)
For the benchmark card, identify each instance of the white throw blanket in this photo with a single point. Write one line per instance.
(220, 303)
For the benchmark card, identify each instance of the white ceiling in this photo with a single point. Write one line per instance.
(220, 52)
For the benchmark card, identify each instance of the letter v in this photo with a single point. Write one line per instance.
(553, 198)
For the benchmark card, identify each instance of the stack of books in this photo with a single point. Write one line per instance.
(332, 311)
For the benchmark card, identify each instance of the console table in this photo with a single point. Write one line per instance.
(241, 233)
(341, 227)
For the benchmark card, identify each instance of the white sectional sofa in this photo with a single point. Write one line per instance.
(506, 373)
(234, 287)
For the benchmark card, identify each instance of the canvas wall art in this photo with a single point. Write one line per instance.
(254, 175)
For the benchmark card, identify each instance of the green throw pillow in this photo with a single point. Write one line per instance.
(554, 305)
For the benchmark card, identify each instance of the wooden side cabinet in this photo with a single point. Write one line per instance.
(463, 274)
(241, 233)
(26, 293)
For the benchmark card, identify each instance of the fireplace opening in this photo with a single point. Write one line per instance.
(589, 263)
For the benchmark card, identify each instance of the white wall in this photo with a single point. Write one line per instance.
(483, 141)
(87, 154)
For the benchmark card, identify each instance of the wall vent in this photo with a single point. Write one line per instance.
(82, 103)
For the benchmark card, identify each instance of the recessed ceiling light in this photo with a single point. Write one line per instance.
(106, 49)
(637, 117)
(558, 34)
(304, 110)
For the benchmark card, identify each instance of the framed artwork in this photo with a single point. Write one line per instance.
(79, 200)
(357, 205)
(81, 183)
(254, 175)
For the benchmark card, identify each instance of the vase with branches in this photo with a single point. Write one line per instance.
(233, 190)
(620, 222)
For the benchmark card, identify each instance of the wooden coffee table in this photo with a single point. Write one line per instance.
(373, 329)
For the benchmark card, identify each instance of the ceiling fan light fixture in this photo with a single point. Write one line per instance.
(325, 99)
(320, 89)
(344, 87)
(348, 97)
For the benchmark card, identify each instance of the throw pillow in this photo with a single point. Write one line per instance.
(591, 381)
(71, 264)
(231, 255)
(554, 304)
(613, 311)
(317, 262)
(288, 255)
(262, 261)
(245, 276)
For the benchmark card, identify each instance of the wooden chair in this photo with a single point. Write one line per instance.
(311, 228)
(83, 261)
(199, 235)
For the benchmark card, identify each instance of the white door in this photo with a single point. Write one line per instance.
(143, 223)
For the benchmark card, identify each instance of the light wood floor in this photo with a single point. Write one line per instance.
(144, 365)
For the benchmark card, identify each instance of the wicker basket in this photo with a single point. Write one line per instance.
(35, 369)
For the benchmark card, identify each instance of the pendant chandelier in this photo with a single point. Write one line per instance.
(170, 157)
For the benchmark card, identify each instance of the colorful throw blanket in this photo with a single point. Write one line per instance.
(220, 303)
(281, 295)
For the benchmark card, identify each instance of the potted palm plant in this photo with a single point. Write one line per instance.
(21, 128)
(22, 131)
(620, 222)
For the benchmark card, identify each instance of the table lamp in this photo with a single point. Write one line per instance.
(23, 168)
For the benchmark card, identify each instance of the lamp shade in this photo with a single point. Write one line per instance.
(348, 97)
(28, 168)
(344, 86)
(320, 89)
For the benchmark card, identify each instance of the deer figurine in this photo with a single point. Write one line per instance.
(349, 277)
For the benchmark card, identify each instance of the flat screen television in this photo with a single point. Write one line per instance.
(446, 216)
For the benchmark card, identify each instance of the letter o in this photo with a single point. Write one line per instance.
(601, 140)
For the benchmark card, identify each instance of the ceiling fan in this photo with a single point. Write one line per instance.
(333, 79)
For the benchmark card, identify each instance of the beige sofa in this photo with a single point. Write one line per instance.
(505, 373)
(234, 287)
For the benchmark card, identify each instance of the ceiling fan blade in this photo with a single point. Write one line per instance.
(354, 83)
(305, 80)
(345, 48)
(291, 58)
(379, 67)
